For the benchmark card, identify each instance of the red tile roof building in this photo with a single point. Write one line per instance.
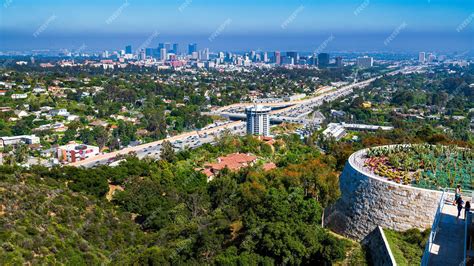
(233, 162)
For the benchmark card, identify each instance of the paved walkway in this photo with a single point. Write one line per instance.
(448, 245)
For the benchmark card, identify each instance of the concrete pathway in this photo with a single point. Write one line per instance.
(448, 245)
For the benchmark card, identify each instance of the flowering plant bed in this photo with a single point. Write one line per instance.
(423, 165)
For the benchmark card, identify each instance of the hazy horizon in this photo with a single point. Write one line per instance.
(384, 25)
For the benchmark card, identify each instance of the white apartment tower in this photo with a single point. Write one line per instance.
(163, 55)
(258, 120)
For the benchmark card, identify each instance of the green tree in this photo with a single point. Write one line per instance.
(167, 152)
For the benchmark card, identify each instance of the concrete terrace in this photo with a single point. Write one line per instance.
(448, 244)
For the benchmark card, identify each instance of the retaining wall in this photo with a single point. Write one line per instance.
(368, 201)
(380, 251)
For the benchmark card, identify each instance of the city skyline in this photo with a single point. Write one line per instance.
(303, 25)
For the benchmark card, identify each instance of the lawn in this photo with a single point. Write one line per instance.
(407, 247)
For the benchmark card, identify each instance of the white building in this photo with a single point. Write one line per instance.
(26, 139)
(338, 130)
(59, 112)
(19, 96)
(21, 113)
(163, 55)
(334, 130)
(365, 62)
(39, 90)
(74, 152)
(258, 121)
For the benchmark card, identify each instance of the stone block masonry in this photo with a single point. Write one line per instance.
(368, 201)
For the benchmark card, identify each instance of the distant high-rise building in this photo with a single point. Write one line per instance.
(192, 47)
(204, 54)
(265, 57)
(252, 55)
(156, 53)
(168, 46)
(431, 58)
(313, 60)
(421, 57)
(277, 57)
(293, 55)
(287, 60)
(175, 48)
(161, 46)
(149, 51)
(163, 54)
(142, 55)
(323, 60)
(105, 54)
(339, 62)
(258, 120)
(128, 49)
(365, 62)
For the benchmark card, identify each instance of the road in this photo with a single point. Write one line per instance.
(190, 139)
(291, 111)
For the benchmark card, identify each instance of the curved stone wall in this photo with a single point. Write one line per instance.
(368, 201)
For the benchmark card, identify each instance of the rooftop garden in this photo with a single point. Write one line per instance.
(423, 165)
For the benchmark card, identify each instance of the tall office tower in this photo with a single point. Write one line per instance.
(313, 60)
(277, 58)
(421, 57)
(161, 46)
(149, 52)
(192, 47)
(163, 54)
(287, 60)
(205, 54)
(175, 48)
(323, 60)
(339, 62)
(293, 55)
(228, 56)
(252, 55)
(142, 55)
(168, 46)
(221, 55)
(195, 55)
(258, 120)
(128, 49)
(105, 54)
(430, 58)
(265, 57)
(365, 62)
(156, 53)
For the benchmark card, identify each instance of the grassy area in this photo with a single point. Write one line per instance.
(407, 247)
(356, 254)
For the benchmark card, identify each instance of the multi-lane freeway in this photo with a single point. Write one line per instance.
(294, 111)
(190, 139)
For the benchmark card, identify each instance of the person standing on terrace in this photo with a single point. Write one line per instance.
(459, 203)
(457, 194)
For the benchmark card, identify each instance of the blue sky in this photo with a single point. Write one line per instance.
(307, 22)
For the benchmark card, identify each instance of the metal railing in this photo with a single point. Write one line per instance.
(434, 230)
(468, 220)
(467, 223)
